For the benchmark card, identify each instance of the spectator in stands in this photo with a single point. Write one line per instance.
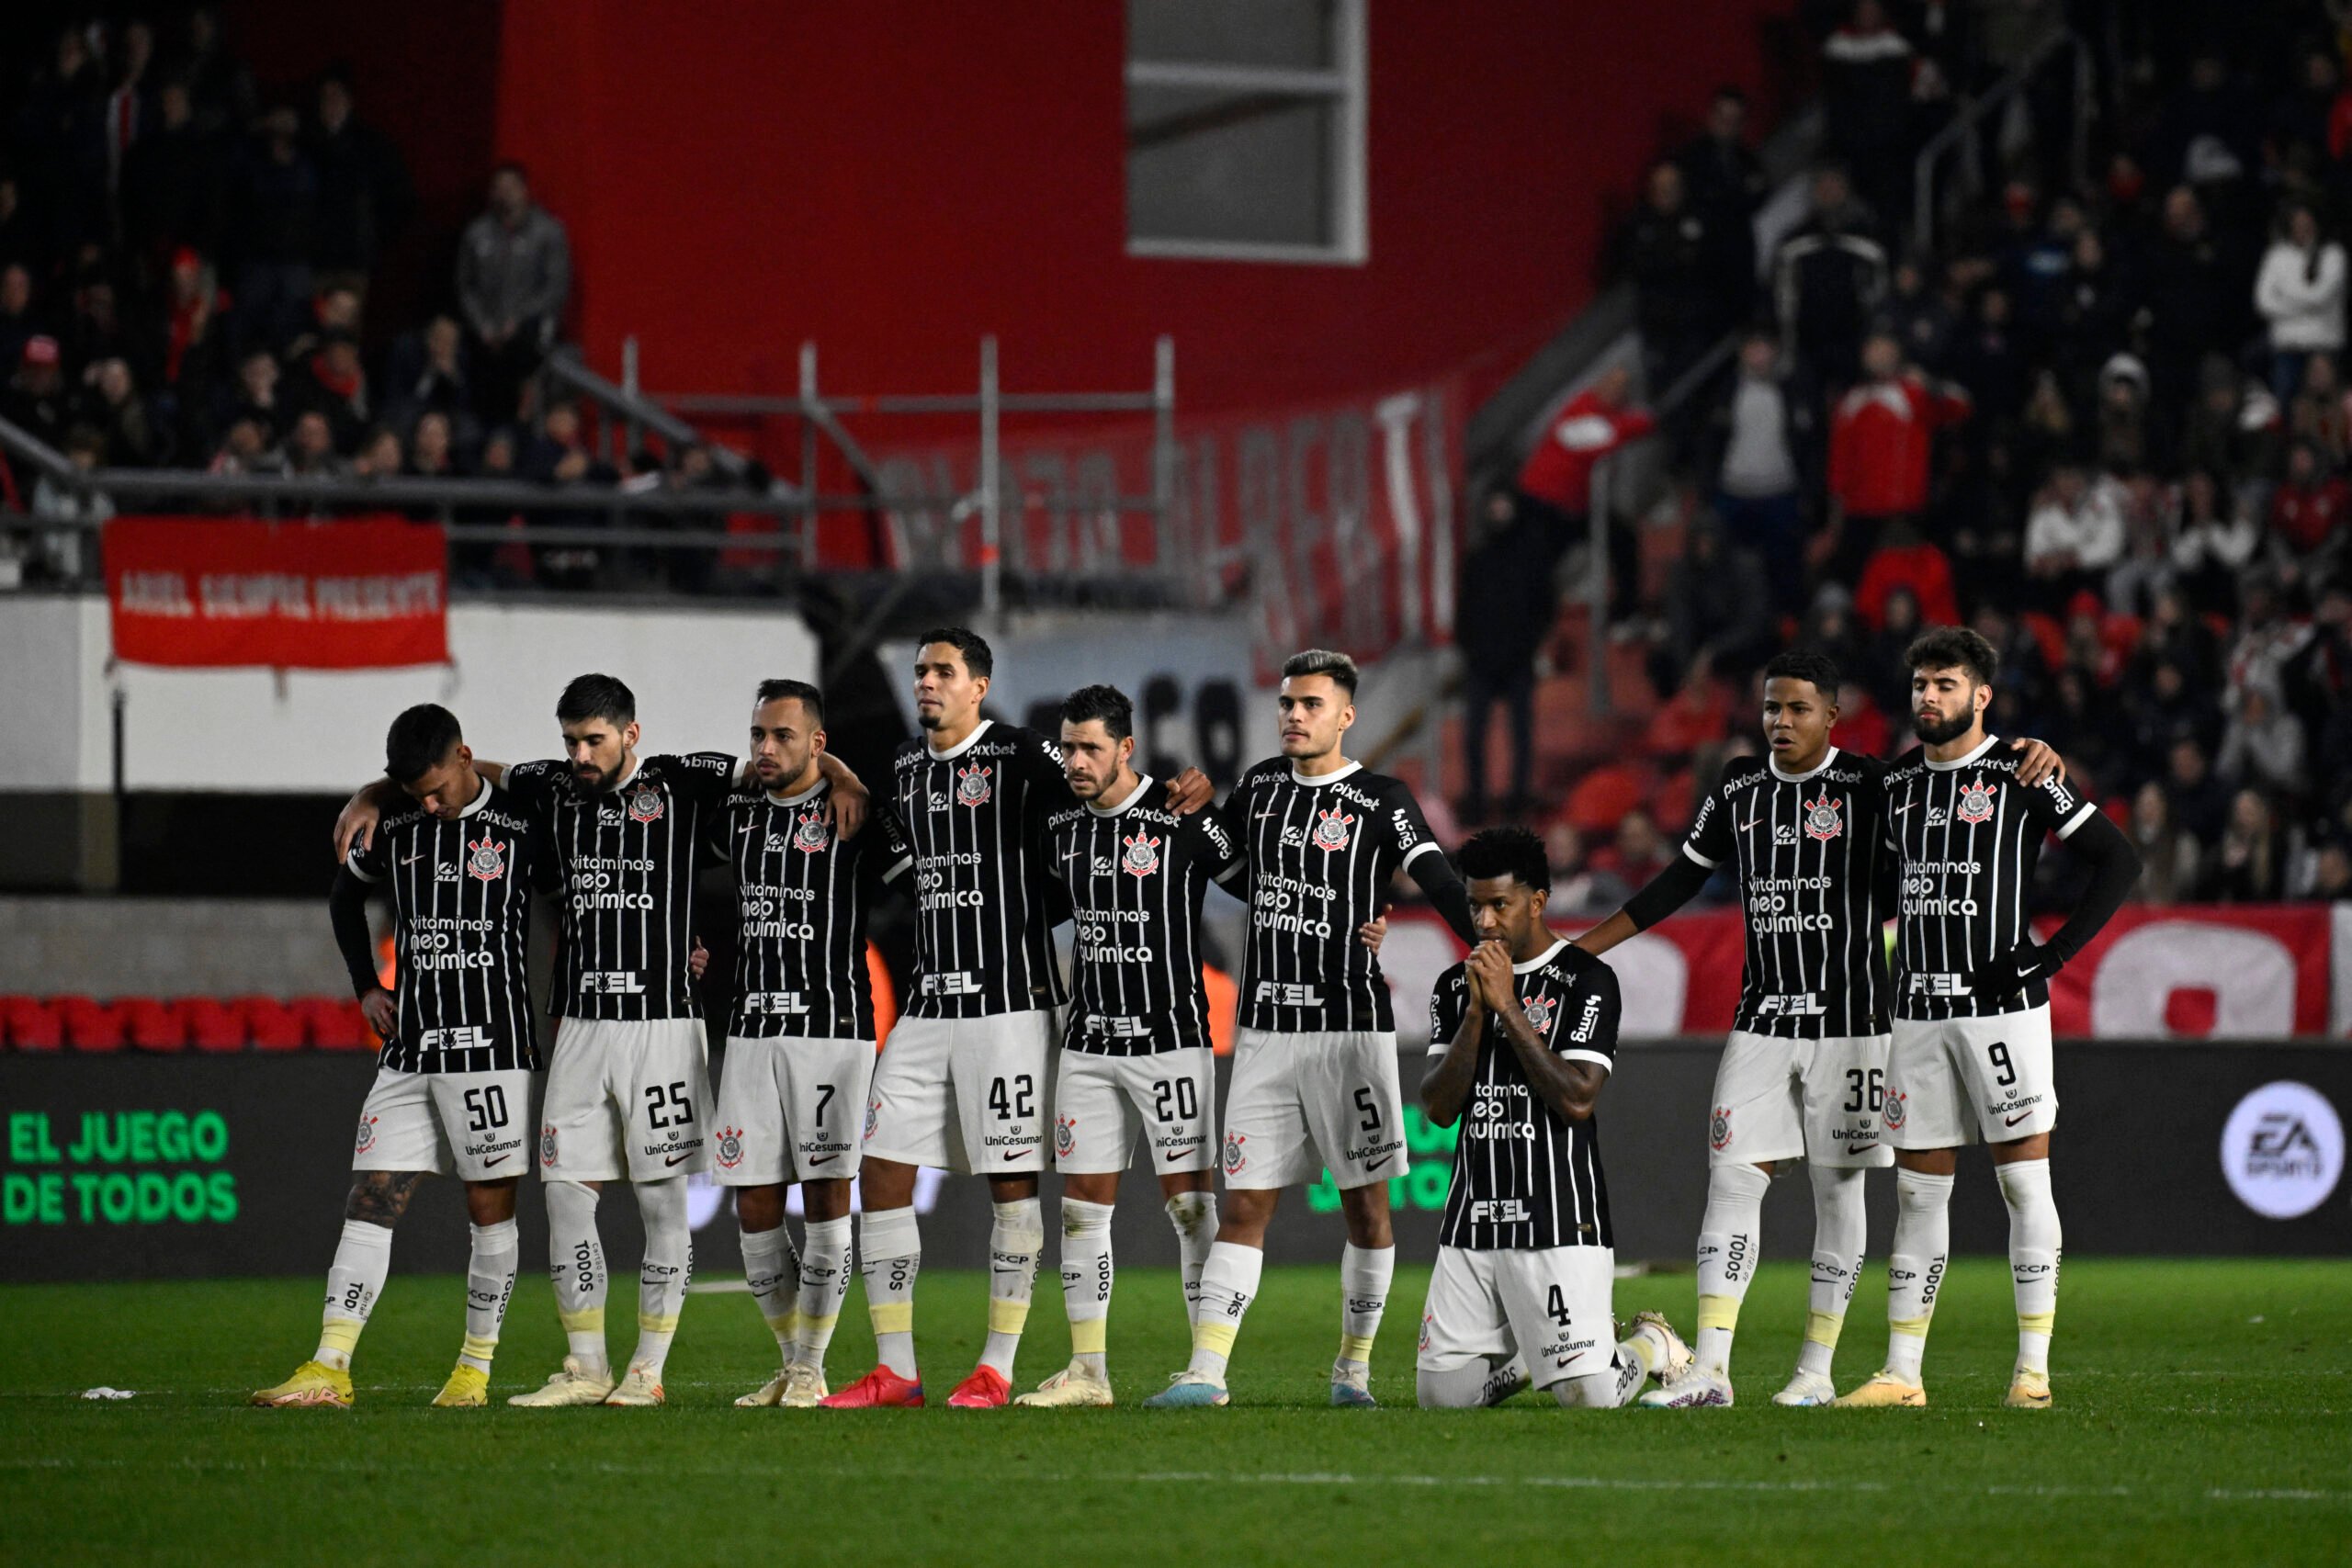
(1907, 562)
(427, 372)
(2249, 866)
(333, 382)
(2038, 265)
(1991, 363)
(2329, 880)
(97, 330)
(2268, 642)
(378, 454)
(432, 455)
(248, 447)
(111, 405)
(561, 456)
(62, 148)
(2075, 536)
(2161, 708)
(1556, 479)
(58, 552)
(1921, 319)
(2210, 123)
(274, 203)
(1718, 614)
(195, 350)
(2235, 428)
(2172, 631)
(1763, 437)
(2145, 569)
(2264, 747)
(310, 446)
(2213, 538)
(1868, 78)
(2201, 804)
(2095, 316)
(129, 108)
(218, 84)
(2091, 729)
(2308, 517)
(2168, 856)
(1886, 675)
(1828, 276)
(1669, 253)
(38, 401)
(1724, 180)
(2300, 292)
(1507, 605)
(514, 279)
(2195, 298)
(2321, 413)
(1880, 441)
(174, 184)
(364, 195)
(17, 323)
(2122, 444)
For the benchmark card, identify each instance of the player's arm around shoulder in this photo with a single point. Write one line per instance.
(1457, 1028)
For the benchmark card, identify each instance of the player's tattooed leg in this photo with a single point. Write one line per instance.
(380, 1197)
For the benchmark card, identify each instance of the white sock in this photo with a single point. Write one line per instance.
(824, 1285)
(2034, 1243)
(1365, 1274)
(490, 1281)
(356, 1278)
(1604, 1390)
(1840, 1232)
(891, 1257)
(576, 1264)
(1194, 1216)
(669, 1268)
(774, 1273)
(1728, 1240)
(1086, 1279)
(1017, 1238)
(1915, 1265)
(1229, 1282)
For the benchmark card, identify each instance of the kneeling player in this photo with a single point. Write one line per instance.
(453, 1086)
(1524, 1035)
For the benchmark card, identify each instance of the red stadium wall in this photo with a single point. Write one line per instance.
(895, 178)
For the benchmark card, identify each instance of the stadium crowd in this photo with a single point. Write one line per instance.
(2106, 421)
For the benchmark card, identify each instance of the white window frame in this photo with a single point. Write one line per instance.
(1346, 84)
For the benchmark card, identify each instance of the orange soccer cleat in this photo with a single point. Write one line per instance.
(986, 1389)
(881, 1389)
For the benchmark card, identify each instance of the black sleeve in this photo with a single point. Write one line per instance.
(1667, 892)
(1447, 896)
(1592, 1034)
(347, 908)
(2115, 866)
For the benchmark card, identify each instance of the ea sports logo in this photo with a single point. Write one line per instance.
(1975, 803)
(1331, 830)
(2282, 1149)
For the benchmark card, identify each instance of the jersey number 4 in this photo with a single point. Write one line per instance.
(1555, 1307)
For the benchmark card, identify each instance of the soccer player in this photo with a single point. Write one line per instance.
(1136, 1054)
(1315, 1081)
(1972, 1051)
(800, 1045)
(452, 1094)
(1522, 1037)
(961, 1084)
(1804, 1072)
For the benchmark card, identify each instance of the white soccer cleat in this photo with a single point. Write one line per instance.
(1695, 1388)
(2029, 1391)
(767, 1396)
(1674, 1357)
(639, 1390)
(571, 1386)
(1075, 1386)
(803, 1386)
(1807, 1389)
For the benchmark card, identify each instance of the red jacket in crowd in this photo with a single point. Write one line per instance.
(2304, 515)
(1924, 570)
(1560, 468)
(1879, 441)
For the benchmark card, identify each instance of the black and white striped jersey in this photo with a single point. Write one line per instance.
(626, 858)
(1808, 851)
(1322, 851)
(1523, 1177)
(986, 897)
(1968, 836)
(461, 925)
(1137, 874)
(802, 893)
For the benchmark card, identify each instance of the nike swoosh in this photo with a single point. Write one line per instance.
(679, 1159)
(2012, 1121)
(1371, 1166)
(1178, 1154)
(1577, 1357)
(415, 858)
(826, 1158)
(1751, 822)
(1901, 809)
(488, 1163)
(1002, 1271)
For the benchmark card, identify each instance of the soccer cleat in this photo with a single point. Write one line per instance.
(569, 1386)
(1678, 1357)
(468, 1389)
(1073, 1387)
(1885, 1391)
(1187, 1391)
(766, 1397)
(2029, 1391)
(1694, 1387)
(313, 1384)
(639, 1390)
(1806, 1388)
(986, 1389)
(1353, 1389)
(881, 1389)
(803, 1386)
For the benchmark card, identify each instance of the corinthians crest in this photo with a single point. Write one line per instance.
(1975, 803)
(1141, 856)
(1823, 820)
(1330, 833)
(731, 1147)
(1540, 1012)
(486, 859)
(972, 785)
(645, 804)
(810, 834)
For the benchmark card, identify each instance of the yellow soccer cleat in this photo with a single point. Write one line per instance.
(468, 1389)
(1074, 1387)
(2029, 1391)
(1886, 1392)
(313, 1384)
(569, 1386)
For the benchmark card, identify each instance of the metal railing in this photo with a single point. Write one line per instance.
(1966, 131)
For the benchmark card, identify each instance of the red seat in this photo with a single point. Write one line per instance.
(334, 1025)
(1602, 797)
(213, 1024)
(270, 1024)
(31, 1025)
(2049, 634)
(90, 1025)
(150, 1023)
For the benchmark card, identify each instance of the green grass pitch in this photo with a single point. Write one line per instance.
(2204, 1414)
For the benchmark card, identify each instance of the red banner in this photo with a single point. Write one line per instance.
(354, 594)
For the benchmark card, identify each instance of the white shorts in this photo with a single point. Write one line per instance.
(1814, 1099)
(626, 1100)
(789, 1110)
(474, 1126)
(1552, 1304)
(1101, 1103)
(2000, 1065)
(1304, 1103)
(963, 1094)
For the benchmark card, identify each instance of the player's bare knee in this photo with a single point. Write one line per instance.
(490, 1203)
(759, 1209)
(1243, 1216)
(380, 1197)
(1101, 1187)
(1596, 1392)
(1011, 1189)
(1365, 1210)
(2034, 1147)
(887, 1184)
(1927, 1162)
(823, 1201)
(1181, 1182)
